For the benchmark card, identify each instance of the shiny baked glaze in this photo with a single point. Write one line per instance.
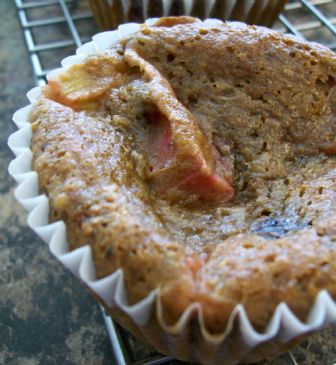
(261, 101)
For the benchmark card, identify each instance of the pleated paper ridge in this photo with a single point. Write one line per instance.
(283, 327)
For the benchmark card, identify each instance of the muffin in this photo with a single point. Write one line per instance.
(199, 158)
(109, 14)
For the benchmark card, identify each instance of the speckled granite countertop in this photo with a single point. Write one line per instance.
(46, 317)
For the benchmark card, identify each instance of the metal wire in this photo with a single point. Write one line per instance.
(320, 22)
(71, 24)
(292, 358)
(323, 19)
(289, 26)
(36, 50)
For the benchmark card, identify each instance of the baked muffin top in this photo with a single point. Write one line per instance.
(198, 158)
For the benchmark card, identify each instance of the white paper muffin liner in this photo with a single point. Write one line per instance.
(188, 339)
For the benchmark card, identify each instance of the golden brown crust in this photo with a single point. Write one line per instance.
(267, 102)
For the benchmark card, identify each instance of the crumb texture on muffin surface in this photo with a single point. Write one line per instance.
(199, 159)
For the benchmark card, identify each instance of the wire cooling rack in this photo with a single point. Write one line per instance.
(53, 29)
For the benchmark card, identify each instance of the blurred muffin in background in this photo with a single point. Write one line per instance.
(110, 13)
